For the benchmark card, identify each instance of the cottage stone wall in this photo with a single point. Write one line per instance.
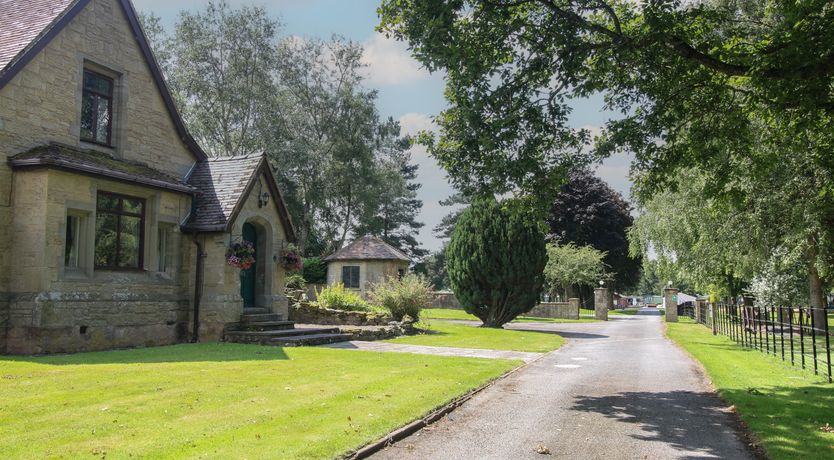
(53, 308)
(221, 303)
(370, 271)
(42, 308)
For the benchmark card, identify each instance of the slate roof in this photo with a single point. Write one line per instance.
(368, 248)
(24, 21)
(91, 162)
(223, 184)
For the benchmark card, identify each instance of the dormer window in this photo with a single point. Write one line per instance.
(97, 108)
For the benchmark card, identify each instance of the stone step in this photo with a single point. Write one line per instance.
(263, 326)
(256, 311)
(284, 333)
(260, 317)
(310, 340)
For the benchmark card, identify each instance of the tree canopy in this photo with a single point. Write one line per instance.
(739, 91)
(244, 89)
(569, 265)
(587, 212)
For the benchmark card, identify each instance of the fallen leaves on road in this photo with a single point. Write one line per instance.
(543, 450)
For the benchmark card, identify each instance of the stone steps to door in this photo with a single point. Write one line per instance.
(262, 326)
(260, 317)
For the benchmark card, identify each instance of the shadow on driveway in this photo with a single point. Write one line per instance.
(688, 420)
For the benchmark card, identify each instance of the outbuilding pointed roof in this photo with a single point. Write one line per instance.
(368, 248)
(27, 27)
(223, 184)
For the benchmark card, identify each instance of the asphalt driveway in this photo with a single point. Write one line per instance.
(618, 390)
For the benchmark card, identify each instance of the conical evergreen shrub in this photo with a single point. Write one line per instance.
(495, 262)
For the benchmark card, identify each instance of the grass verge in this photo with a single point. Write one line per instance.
(447, 334)
(221, 400)
(786, 409)
(447, 313)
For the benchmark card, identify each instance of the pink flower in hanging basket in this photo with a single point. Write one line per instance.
(241, 255)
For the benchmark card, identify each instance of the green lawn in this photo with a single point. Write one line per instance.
(445, 313)
(221, 400)
(784, 407)
(447, 334)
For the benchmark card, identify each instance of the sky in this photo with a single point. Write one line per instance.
(407, 92)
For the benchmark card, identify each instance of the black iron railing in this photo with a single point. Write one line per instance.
(799, 335)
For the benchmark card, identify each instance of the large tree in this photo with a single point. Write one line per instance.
(587, 212)
(732, 88)
(496, 260)
(569, 266)
(245, 90)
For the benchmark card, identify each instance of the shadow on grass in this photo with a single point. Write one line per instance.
(687, 420)
(182, 353)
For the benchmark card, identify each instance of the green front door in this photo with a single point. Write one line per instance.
(247, 277)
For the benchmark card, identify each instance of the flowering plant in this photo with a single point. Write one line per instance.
(241, 255)
(291, 258)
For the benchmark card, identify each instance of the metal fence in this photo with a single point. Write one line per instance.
(791, 333)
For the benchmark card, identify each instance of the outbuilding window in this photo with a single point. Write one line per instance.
(350, 277)
(120, 231)
(97, 108)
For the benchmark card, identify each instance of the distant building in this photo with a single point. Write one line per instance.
(366, 261)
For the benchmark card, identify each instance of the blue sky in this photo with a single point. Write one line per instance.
(406, 92)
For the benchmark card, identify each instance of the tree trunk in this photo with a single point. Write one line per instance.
(815, 290)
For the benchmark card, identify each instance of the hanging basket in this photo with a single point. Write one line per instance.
(241, 255)
(291, 258)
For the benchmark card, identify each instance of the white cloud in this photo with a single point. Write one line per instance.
(412, 123)
(390, 63)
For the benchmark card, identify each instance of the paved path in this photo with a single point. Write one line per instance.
(439, 351)
(618, 390)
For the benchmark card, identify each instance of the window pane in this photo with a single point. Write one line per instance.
(130, 241)
(103, 121)
(71, 242)
(107, 201)
(162, 249)
(131, 205)
(88, 101)
(106, 230)
(355, 277)
(97, 83)
(346, 276)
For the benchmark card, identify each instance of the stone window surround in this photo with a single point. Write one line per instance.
(86, 210)
(119, 106)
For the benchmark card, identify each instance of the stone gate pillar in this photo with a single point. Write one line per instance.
(573, 305)
(601, 303)
(671, 304)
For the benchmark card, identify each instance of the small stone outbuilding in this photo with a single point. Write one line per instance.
(366, 261)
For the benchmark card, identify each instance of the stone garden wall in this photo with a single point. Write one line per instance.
(444, 299)
(305, 312)
(561, 310)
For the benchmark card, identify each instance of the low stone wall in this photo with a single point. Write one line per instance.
(305, 312)
(444, 299)
(370, 333)
(561, 310)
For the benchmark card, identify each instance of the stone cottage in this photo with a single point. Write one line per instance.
(366, 261)
(113, 221)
